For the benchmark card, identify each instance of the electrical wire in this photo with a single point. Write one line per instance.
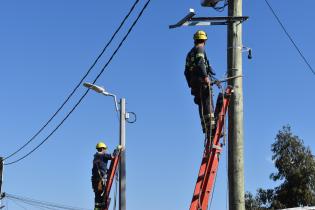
(30, 204)
(37, 206)
(223, 131)
(83, 96)
(226, 152)
(135, 118)
(79, 83)
(42, 204)
(291, 39)
(221, 8)
(34, 149)
(227, 179)
(6, 204)
(16, 203)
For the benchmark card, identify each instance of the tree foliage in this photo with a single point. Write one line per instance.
(295, 166)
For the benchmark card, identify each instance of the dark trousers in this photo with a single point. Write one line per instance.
(99, 199)
(203, 98)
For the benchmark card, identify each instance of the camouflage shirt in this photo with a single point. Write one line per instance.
(197, 65)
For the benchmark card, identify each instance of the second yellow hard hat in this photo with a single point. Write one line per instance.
(101, 145)
(200, 35)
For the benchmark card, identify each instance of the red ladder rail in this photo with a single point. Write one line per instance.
(110, 179)
(210, 161)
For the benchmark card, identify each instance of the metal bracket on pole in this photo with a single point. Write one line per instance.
(189, 20)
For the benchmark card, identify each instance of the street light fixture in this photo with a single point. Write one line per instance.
(122, 140)
(101, 90)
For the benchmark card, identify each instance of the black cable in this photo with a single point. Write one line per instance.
(16, 201)
(288, 35)
(83, 96)
(19, 205)
(221, 8)
(51, 132)
(135, 118)
(43, 204)
(78, 85)
(123, 40)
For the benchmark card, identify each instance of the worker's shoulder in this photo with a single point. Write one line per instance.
(195, 51)
(199, 49)
(102, 156)
(200, 52)
(99, 154)
(191, 51)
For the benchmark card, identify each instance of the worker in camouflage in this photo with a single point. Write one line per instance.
(99, 173)
(198, 74)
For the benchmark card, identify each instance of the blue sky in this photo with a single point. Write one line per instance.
(47, 46)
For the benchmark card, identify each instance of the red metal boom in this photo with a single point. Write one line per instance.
(110, 179)
(210, 161)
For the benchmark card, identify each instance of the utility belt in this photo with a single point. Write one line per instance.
(197, 82)
(99, 181)
(194, 69)
(101, 184)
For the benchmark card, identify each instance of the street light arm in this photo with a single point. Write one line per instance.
(101, 90)
(114, 97)
(115, 100)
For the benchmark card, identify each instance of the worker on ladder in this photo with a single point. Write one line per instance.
(198, 73)
(99, 172)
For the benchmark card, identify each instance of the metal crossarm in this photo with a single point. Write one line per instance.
(110, 179)
(190, 20)
(210, 160)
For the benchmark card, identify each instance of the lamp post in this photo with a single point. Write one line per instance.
(122, 141)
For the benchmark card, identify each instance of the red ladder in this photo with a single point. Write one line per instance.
(210, 160)
(110, 179)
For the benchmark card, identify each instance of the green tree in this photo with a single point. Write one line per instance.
(295, 166)
(252, 202)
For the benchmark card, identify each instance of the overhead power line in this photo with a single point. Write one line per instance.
(42, 204)
(16, 203)
(79, 83)
(86, 92)
(291, 39)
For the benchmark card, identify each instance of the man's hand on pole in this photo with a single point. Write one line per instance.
(117, 150)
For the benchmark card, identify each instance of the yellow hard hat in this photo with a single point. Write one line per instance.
(101, 145)
(200, 35)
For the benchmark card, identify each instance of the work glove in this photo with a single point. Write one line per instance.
(117, 150)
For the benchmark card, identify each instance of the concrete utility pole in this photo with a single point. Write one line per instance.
(122, 141)
(122, 164)
(235, 134)
(234, 21)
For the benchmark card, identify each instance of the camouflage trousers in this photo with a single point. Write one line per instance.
(204, 99)
(99, 189)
